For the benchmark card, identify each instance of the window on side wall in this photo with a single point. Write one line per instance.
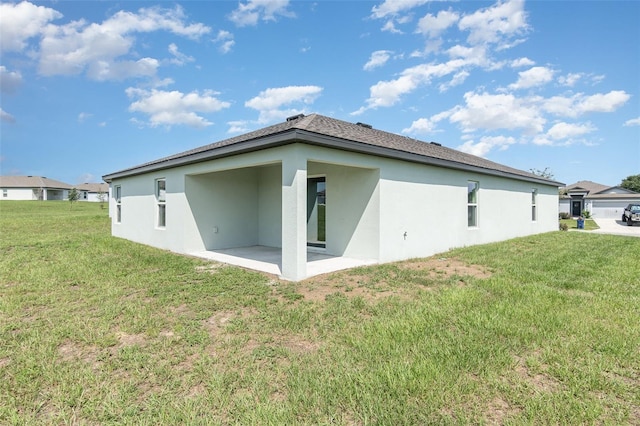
(534, 196)
(161, 201)
(117, 194)
(5, 194)
(472, 203)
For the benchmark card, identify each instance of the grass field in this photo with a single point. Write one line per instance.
(99, 330)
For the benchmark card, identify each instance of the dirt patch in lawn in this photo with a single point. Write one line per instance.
(70, 351)
(423, 273)
(541, 381)
(222, 319)
(439, 267)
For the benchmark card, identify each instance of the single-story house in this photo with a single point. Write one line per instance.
(317, 184)
(32, 188)
(93, 191)
(601, 201)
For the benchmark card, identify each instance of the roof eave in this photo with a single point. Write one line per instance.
(304, 136)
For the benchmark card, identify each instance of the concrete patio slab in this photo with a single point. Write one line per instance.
(269, 260)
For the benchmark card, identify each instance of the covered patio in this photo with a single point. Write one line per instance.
(269, 260)
(288, 216)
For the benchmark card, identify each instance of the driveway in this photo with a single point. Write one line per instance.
(616, 227)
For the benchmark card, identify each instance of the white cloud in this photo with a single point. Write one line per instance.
(388, 93)
(434, 25)
(249, 13)
(570, 79)
(226, 41)
(19, 22)
(377, 59)
(240, 126)
(83, 116)
(426, 125)
(495, 24)
(99, 48)
(166, 108)
(532, 77)
(580, 103)
(521, 62)
(179, 58)
(603, 102)
(457, 80)
(86, 178)
(487, 144)
(502, 111)
(633, 122)
(6, 117)
(564, 130)
(394, 7)
(270, 102)
(390, 27)
(9, 80)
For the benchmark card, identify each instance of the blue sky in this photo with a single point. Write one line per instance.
(89, 88)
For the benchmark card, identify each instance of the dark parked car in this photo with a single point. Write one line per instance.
(631, 214)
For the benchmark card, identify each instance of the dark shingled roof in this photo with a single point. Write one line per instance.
(325, 131)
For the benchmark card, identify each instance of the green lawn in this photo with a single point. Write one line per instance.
(589, 224)
(99, 330)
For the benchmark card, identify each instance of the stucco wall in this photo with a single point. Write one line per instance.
(18, 194)
(352, 208)
(371, 203)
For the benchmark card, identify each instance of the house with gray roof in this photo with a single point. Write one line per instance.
(93, 192)
(315, 193)
(601, 201)
(32, 188)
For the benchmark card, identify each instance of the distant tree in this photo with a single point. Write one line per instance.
(546, 173)
(631, 182)
(73, 196)
(102, 197)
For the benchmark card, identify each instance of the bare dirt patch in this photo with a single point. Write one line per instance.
(539, 380)
(220, 320)
(371, 288)
(499, 410)
(130, 339)
(439, 267)
(70, 351)
(210, 268)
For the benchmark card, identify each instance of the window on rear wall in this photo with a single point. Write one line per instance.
(472, 203)
(161, 201)
(534, 196)
(117, 194)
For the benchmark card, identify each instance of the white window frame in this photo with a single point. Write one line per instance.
(161, 203)
(117, 195)
(472, 203)
(5, 193)
(534, 205)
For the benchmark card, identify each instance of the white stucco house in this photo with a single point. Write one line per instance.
(601, 201)
(316, 184)
(32, 188)
(92, 192)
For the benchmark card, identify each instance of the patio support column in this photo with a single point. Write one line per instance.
(294, 215)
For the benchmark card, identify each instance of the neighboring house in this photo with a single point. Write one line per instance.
(32, 188)
(601, 201)
(387, 197)
(92, 191)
